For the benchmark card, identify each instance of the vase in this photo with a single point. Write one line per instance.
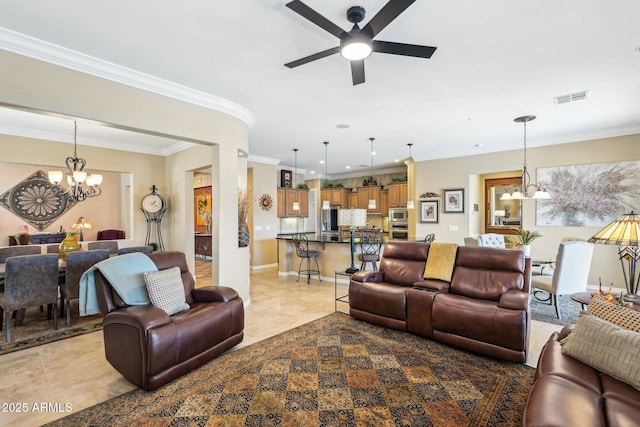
(243, 234)
(526, 250)
(69, 244)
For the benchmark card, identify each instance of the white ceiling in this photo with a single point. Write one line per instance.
(496, 60)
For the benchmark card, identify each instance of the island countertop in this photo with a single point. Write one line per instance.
(327, 238)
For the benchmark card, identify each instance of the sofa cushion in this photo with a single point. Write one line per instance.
(616, 314)
(166, 290)
(606, 347)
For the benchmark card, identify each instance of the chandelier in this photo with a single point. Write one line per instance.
(80, 185)
(526, 189)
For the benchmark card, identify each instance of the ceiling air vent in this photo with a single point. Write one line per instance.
(576, 96)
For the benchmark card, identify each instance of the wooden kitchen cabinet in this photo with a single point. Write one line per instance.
(398, 195)
(286, 197)
(353, 200)
(384, 202)
(367, 193)
(336, 196)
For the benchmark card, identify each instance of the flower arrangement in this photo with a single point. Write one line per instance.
(526, 236)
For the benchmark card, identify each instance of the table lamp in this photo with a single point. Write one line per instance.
(352, 218)
(499, 213)
(625, 233)
(81, 224)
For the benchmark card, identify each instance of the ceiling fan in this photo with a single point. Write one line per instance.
(358, 43)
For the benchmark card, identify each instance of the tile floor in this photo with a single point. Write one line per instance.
(74, 372)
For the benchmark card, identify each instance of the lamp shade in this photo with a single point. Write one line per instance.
(624, 231)
(499, 212)
(81, 223)
(352, 217)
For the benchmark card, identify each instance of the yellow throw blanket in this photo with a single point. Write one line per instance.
(441, 260)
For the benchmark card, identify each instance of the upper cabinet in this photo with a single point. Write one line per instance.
(336, 196)
(286, 198)
(398, 195)
(368, 193)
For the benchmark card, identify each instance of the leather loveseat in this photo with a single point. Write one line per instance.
(567, 392)
(484, 308)
(151, 348)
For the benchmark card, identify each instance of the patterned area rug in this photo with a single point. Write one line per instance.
(543, 311)
(330, 372)
(38, 330)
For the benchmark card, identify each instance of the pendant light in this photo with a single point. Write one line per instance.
(296, 204)
(326, 204)
(372, 181)
(409, 175)
(522, 191)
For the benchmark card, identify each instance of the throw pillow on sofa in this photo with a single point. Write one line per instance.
(606, 347)
(166, 290)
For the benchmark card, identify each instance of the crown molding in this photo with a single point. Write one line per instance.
(41, 50)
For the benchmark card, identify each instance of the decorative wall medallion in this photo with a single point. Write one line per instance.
(35, 201)
(266, 202)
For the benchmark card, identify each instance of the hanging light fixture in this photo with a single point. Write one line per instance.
(410, 161)
(326, 204)
(81, 185)
(526, 189)
(296, 204)
(372, 180)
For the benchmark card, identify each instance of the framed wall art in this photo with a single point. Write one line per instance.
(429, 211)
(453, 201)
(286, 178)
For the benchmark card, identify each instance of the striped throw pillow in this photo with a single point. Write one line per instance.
(166, 290)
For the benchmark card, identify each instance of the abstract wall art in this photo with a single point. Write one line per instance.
(589, 195)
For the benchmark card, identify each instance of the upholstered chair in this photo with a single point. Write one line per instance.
(10, 251)
(131, 249)
(492, 240)
(110, 245)
(110, 235)
(570, 274)
(77, 264)
(30, 280)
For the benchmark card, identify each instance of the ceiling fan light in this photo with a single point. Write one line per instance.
(355, 50)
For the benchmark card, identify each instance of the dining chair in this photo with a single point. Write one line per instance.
(110, 245)
(10, 251)
(370, 251)
(77, 264)
(53, 249)
(570, 274)
(110, 234)
(30, 280)
(131, 249)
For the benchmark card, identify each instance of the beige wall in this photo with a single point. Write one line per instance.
(467, 173)
(264, 179)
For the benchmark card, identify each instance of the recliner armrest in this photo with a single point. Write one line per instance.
(142, 317)
(432, 285)
(514, 300)
(214, 294)
(368, 276)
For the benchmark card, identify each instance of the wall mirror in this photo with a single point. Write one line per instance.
(501, 215)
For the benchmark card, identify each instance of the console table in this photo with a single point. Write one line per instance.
(41, 239)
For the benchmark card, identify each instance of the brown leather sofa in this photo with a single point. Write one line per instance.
(150, 348)
(484, 309)
(567, 392)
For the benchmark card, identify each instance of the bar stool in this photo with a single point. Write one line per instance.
(370, 251)
(301, 243)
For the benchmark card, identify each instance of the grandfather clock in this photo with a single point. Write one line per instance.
(154, 206)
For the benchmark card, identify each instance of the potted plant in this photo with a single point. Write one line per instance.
(526, 237)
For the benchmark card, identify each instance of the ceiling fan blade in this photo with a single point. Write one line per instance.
(313, 16)
(313, 57)
(403, 49)
(388, 13)
(357, 71)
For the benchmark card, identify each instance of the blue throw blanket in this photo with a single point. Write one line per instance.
(125, 273)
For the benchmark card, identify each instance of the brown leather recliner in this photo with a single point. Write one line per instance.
(150, 348)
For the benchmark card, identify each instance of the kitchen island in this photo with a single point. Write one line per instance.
(335, 253)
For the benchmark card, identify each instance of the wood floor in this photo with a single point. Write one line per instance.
(47, 382)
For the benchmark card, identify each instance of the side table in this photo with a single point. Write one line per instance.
(341, 298)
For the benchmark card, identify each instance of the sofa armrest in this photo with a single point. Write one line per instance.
(432, 285)
(214, 294)
(144, 317)
(514, 300)
(368, 276)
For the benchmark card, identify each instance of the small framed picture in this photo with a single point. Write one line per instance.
(286, 178)
(429, 211)
(453, 201)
